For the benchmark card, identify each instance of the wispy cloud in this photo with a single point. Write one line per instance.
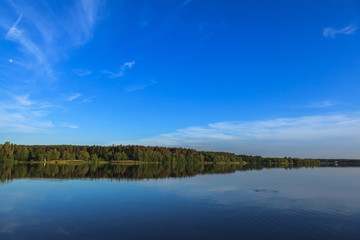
(82, 73)
(332, 32)
(14, 32)
(135, 87)
(120, 73)
(85, 13)
(129, 64)
(20, 114)
(87, 100)
(41, 35)
(45, 35)
(23, 100)
(186, 2)
(18, 35)
(141, 86)
(73, 97)
(321, 104)
(308, 136)
(67, 125)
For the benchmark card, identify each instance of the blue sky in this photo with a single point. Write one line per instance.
(274, 78)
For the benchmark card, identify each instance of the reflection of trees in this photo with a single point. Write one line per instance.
(9, 170)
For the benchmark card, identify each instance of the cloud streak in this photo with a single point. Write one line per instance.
(73, 97)
(308, 136)
(19, 36)
(14, 32)
(67, 125)
(82, 73)
(332, 32)
(23, 100)
(20, 114)
(86, 13)
(321, 104)
(120, 73)
(42, 36)
(136, 87)
(186, 2)
(45, 35)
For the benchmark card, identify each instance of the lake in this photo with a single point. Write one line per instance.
(127, 202)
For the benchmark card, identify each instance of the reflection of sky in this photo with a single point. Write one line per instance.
(327, 189)
(326, 198)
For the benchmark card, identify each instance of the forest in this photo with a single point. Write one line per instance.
(45, 153)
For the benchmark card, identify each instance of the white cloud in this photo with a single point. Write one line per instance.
(87, 100)
(135, 87)
(129, 64)
(19, 36)
(112, 74)
(67, 125)
(186, 2)
(141, 86)
(321, 104)
(82, 73)
(14, 32)
(120, 73)
(332, 32)
(45, 35)
(73, 97)
(24, 100)
(20, 114)
(309, 136)
(85, 15)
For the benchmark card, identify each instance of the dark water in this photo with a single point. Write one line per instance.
(305, 203)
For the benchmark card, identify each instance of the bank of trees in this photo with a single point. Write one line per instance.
(176, 156)
(10, 151)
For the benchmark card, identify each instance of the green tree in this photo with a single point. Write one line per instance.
(8, 151)
(120, 156)
(22, 154)
(83, 155)
(94, 157)
(54, 154)
(67, 156)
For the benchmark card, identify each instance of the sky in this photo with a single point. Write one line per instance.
(270, 78)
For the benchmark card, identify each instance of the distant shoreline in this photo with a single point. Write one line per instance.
(135, 154)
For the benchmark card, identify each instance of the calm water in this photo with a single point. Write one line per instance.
(305, 203)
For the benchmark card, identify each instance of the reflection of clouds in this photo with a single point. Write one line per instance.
(20, 205)
(17, 219)
(6, 208)
(320, 193)
(8, 227)
(315, 199)
(62, 231)
(8, 200)
(31, 212)
(331, 190)
(13, 195)
(222, 189)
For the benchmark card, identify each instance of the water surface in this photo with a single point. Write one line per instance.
(305, 203)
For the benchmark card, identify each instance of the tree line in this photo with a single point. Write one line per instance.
(24, 153)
